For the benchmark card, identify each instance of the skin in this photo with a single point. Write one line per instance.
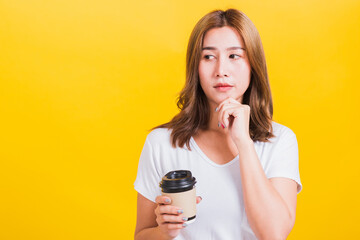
(158, 220)
(224, 60)
(270, 204)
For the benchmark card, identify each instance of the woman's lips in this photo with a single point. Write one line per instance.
(223, 87)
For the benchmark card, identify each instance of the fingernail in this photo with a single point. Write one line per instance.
(216, 109)
(180, 211)
(184, 224)
(184, 218)
(218, 124)
(167, 200)
(222, 125)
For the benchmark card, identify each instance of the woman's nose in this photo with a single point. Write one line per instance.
(221, 70)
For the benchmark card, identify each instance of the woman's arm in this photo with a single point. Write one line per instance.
(270, 205)
(158, 220)
(146, 226)
(145, 220)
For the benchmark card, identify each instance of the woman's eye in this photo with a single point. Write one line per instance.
(208, 56)
(234, 56)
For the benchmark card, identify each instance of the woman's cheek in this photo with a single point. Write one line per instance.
(203, 71)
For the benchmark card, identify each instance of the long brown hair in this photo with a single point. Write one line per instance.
(194, 108)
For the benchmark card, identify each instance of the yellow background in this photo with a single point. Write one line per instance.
(82, 82)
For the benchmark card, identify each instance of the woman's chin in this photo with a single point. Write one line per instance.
(223, 98)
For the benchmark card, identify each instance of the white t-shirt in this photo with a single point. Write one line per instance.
(221, 213)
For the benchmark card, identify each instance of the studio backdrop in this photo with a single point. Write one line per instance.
(83, 81)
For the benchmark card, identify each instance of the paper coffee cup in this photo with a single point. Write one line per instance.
(179, 185)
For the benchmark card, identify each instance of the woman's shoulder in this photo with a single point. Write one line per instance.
(159, 136)
(282, 131)
(283, 138)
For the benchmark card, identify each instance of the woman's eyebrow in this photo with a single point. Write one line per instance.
(230, 48)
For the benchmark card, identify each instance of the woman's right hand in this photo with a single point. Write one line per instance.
(169, 218)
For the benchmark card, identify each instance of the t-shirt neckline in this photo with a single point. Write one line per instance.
(203, 155)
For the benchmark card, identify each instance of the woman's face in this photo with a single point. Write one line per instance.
(224, 69)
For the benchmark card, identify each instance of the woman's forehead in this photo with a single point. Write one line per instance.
(222, 38)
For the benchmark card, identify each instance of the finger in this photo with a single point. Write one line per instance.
(234, 112)
(198, 199)
(227, 111)
(223, 117)
(172, 226)
(167, 209)
(173, 218)
(162, 200)
(221, 112)
(219, 107)
(226, 101)
(226, 104)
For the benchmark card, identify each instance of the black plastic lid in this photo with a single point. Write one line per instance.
(177, 181)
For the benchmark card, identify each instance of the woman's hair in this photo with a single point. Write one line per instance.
(194, 108)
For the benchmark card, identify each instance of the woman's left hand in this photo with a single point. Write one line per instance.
(235, 117)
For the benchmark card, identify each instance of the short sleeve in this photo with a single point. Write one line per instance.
(148, 177)
(285, 158)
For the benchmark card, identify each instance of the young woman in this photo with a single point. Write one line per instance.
(245, 164)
